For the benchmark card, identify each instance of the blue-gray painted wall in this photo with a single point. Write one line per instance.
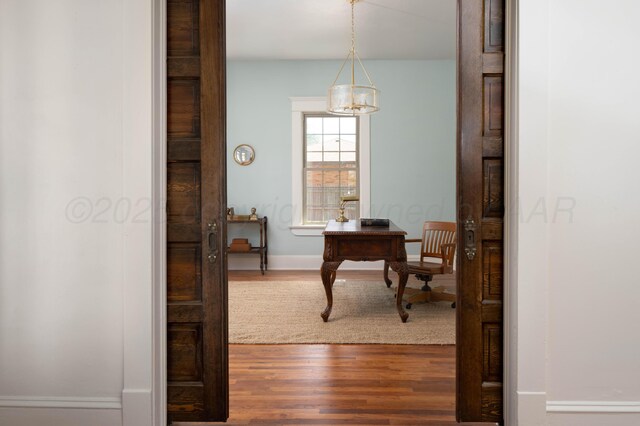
(412, 142)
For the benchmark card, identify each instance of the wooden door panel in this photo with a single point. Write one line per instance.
(493, 188)
(183, 108)
(184, 342)
(493, 23)
(184, 274)
(480, 210)
(183, 192)
(196, 276)
(183, 31)
(186, 402)
(493, 101)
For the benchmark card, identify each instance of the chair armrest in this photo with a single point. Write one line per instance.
(413, 240)
(448, 253)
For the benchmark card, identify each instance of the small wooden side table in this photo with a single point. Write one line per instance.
(263, 249)
(350, 241)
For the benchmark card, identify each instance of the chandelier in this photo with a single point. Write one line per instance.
(352, 99)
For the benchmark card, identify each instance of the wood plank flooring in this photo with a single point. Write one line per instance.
(338, 384)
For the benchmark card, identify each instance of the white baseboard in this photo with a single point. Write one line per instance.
(61, 402)
(593, 413)
(10, 416)
(531, 409)
(245, 262)
(60, 411)
(593, 406)
(137, 407)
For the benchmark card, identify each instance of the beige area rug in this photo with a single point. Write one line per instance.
(363, 312)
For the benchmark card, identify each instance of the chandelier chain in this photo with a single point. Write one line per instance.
(353, 26)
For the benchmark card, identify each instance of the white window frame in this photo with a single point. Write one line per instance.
(318, 105)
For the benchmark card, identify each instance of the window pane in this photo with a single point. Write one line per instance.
(314, 142)
(347, 142)
(330, 214)
(333, 157)
(349, 180)
(314, 159)
(348, 157)
(331, 179)
(314, 125)
(314, 197)
(315, 215)
(331, 143)
(332, 198)
(313, 179)
(331, 125)
(331, 188)
(348, 125)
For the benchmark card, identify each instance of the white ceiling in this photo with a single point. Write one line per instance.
(321, 29)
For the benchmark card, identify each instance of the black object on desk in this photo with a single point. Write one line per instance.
(374, 222)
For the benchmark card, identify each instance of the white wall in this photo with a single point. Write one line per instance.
(578, 345)
(74, 94)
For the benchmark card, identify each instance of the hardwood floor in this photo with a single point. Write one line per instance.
(342, 384)
(339, 384)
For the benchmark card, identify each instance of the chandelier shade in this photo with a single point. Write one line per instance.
(353, 99)
(349, 99)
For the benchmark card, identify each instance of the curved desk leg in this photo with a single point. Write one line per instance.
(403, 273)
(328, 274)
(386, 274)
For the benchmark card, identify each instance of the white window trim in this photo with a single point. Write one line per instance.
(305, 105)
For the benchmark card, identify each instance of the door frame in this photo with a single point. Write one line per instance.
(148, 406)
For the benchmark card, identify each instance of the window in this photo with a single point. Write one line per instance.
(330, 158)
(330, 167)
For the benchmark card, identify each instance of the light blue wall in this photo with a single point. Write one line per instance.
(412, 142)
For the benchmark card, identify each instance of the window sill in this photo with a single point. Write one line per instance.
(307, 230)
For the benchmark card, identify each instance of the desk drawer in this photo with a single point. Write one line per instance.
(365, 248)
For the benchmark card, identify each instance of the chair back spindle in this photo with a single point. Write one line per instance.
(434, 235)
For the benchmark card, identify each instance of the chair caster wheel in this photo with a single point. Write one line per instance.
(408, 305)
(453, 305)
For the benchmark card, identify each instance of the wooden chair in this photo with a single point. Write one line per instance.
(438, 241)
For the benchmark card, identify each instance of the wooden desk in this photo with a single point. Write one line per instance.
(350, 241)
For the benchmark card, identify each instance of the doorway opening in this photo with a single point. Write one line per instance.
(399, 162)
(199, 198)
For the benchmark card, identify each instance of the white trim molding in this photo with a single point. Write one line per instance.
(142, 73)
(99, 403)
(511, 398)
(593, 406)
(318, 104)
(158, 216)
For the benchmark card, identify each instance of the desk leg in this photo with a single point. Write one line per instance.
(403, 273)
(328, 274)
(386, 274)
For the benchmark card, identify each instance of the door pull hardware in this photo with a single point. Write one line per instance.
(212, 241)
(470, 238)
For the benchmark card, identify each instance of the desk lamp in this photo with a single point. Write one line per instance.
(344, 200)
